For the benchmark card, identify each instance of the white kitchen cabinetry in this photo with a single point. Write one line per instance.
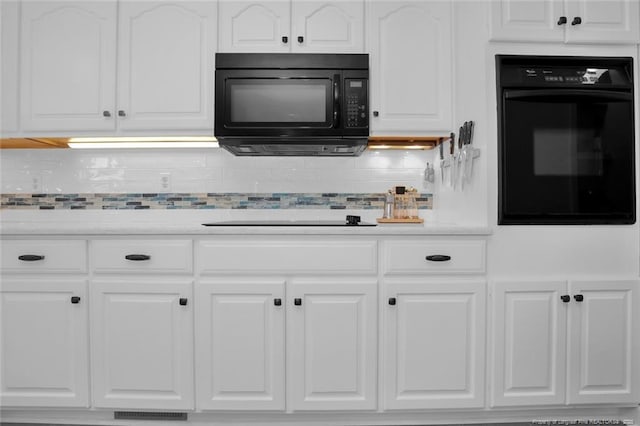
(534, 365)
(10, 30)
(331, 324)
(570, 21)
(43, 324)
(410, 44)
(240, 347)
(142, 324)
(335, 26)
(163, 80)
(434, 328)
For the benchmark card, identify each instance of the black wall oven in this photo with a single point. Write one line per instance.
(566, 140)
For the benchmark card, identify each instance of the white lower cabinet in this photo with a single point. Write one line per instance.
(332, 337)
(434, 343)
(142, 343)
(559, 342)
(240, 348)
(44, 342)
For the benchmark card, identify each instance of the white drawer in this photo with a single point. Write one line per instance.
(44, 256)
(142, 256)
(434, 256)
(299, 257)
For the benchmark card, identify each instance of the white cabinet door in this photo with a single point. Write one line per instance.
(239, 329)
(604, 334)
(603, 21)
(410, 44)
(332, 345)
(529, 343)
(434, 347)
(44, 343)
(68, 65)
(531, 20)
(165, 65)
(9, 27)
(142, 344)
(321, 26)
(254, 26)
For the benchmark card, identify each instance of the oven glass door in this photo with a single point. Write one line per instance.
(567, 157)
(282, 100)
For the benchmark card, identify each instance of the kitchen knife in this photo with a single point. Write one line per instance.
(457, 158)
(468, 164)
(442, 160)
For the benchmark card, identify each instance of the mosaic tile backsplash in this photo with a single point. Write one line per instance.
(141, 201)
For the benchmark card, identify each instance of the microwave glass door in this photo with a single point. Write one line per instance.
(279, 102)
(567, 157)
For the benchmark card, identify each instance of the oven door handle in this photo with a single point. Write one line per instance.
(604, 95)
(336, 101)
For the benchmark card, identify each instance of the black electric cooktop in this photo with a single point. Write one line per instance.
(287, 223)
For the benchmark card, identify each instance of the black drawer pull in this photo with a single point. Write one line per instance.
(297, 301)
(30, 257)
(285, 39)
(578, 297)
(438, 258)
(300, 39)
(562, 20)
(565, 298)
(75, 299)
(183, 301)
(277, 301)
(392, 301)
(137, 257)
(576, 21)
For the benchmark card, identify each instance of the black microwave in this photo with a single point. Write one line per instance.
(292, 104)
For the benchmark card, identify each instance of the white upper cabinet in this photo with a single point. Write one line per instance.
(292, 26)
(9, 27)
(163, 80)
(68, 58)
(165, 65)
(571, 21)
(410, 45)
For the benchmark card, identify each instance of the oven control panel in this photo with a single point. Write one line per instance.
(355, 102)
(582, 76)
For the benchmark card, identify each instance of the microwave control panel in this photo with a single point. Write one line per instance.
(356, 102)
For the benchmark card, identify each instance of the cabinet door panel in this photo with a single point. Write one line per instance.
(142, 342)
(336, 26)
(240, 345)
(249, 26)
(529, 343)
(517, 20)
(603, 355)
(414, 85)
(604, 21)
(434, 345)
(44, 345)
(9, 14)
(68, 65)
(165, 65)
(333, 345)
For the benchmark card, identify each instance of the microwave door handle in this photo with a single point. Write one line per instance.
(336, 100)
(605, 95)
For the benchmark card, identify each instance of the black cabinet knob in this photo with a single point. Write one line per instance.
(576, 21)
(392, 301)
(578, 297)
(183, 301)
(277, 301)
(137, 257)
(438, 258)
(297, 301)
(565, 298)
(285, 39)
(121, 113)
(562, 20)
(300, 39)
(30, 257)
(75, 300)
(376, 113)
(106, 114)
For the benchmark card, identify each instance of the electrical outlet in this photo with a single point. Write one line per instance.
(36, 184)
(165, 181)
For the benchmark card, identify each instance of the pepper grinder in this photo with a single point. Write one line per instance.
(388, 205)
